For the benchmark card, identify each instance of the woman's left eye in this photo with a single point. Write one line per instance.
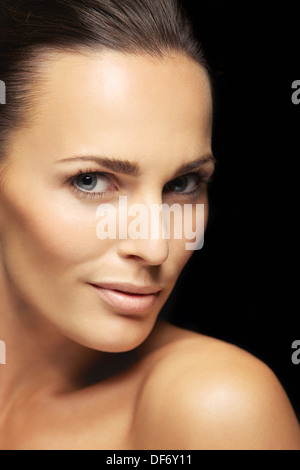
(184, 184)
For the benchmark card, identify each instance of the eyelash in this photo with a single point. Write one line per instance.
(202, 180)
(86, 194)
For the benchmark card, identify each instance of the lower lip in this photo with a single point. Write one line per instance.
(126, 303)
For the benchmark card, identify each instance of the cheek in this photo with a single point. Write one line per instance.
(188, 225)
(45, 234)
(178, 258)
(194, 227)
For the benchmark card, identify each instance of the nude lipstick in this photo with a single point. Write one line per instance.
(128, 298)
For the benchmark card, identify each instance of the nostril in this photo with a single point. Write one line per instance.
(150, 252)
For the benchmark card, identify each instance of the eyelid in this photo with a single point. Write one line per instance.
(90, 172)
(89, 194)
(204, 176)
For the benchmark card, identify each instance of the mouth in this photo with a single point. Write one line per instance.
(128, 298)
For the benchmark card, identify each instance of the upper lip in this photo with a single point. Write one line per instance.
(128, 288)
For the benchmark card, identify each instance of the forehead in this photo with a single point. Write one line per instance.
(111, 99)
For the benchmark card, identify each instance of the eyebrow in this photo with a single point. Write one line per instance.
(193, 165)
(118, 166)
(133, 169)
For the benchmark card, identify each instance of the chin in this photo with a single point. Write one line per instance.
(122, 334)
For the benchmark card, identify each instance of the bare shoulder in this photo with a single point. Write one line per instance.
(204, 393)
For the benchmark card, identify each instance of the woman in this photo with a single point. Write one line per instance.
(109, 100)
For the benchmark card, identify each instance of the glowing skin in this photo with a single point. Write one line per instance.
(156, 114)
(153, 116)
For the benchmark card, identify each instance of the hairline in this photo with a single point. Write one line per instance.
(45, 54)
(39, 57)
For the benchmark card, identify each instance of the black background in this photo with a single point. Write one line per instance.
(242, 286)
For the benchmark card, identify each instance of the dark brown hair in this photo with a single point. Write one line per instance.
(30, 29)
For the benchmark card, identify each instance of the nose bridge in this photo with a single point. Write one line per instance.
(145, 235)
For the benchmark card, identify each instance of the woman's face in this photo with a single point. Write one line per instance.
(105, 125)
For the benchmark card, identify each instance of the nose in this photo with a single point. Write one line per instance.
(149, 245)
(151, 252)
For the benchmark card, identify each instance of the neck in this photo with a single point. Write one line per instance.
(39, 359)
